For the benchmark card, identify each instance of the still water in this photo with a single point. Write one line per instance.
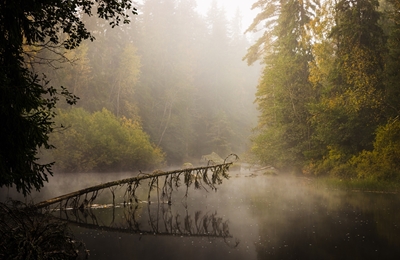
(249, 217)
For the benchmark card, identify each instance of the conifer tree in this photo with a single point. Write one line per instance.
(284, 91)
(352, 99)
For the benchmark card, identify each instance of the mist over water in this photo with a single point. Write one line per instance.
(257, 217)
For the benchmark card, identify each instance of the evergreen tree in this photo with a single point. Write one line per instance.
(284, 92)
(351, 103)
(126, 77)
(392, 68)
(166, 87)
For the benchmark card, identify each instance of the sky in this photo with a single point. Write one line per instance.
(230, 7)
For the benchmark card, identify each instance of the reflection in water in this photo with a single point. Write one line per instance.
(273, 217)
(151, 231)
(305, 222)
(160, 220)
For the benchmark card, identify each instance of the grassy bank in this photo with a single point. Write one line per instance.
(367, 185)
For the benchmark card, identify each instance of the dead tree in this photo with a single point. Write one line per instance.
(202, 177)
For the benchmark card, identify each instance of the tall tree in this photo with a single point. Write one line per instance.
(213, 81)
(353, 94)
(392, 68)
(168, 51)
(27, 103)
(126, 77)
(264, 22)
(284, 91)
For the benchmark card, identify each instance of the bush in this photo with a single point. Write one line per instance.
(102, 142)
(334, 164)
(383, 163)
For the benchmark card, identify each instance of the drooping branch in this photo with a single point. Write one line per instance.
(199, 175)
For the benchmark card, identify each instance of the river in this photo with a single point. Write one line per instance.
(250, 216)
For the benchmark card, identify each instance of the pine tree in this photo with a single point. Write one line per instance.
(284, 131)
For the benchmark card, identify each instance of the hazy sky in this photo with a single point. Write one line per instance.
(230, 7)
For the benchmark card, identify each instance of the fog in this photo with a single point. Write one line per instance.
(173, 74)
(165, 90)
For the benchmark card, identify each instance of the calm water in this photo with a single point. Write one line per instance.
(249, 217)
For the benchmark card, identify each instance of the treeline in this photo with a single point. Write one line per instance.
(171, 83)
(329, 95)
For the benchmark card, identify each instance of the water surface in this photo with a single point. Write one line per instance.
(250, 216)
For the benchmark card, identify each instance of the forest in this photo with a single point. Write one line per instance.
(165, 89)
(329, 94)
(310, 88)
(319, 94)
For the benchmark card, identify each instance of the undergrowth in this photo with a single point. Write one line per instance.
(27, 234)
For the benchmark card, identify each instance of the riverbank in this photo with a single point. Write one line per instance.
(364, 185)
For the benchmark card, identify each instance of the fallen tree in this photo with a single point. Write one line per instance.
(206, 176)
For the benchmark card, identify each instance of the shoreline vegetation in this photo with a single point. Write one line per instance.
(357, 185)
(27, 234)
(370, 185)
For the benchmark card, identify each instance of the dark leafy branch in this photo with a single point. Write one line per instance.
(27, 101)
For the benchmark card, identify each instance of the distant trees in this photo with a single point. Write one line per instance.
(174, 73)
(191, 74)
(27, 100)
(166, 81)
(339, 116)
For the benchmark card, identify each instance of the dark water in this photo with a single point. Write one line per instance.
(249, 217)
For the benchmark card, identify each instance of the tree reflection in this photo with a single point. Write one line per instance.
(161, 219)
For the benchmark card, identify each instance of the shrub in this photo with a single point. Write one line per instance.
(102, 142)
(383, 163)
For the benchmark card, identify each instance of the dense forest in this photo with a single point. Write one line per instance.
(166, 88)
(329, 94)
(171, 86)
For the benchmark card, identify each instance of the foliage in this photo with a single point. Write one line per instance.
(392, 77)
(27, 234)
(382, 163)
(27, 103)
(284, 90)
(351, 100)
(173, 70)
(345, 123)
(269, 11)
(101, 142)
(27, 109)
